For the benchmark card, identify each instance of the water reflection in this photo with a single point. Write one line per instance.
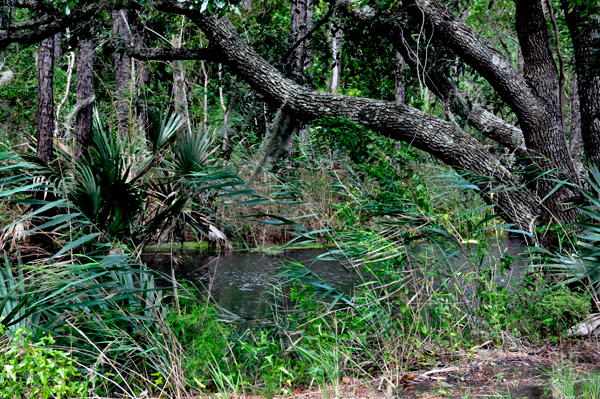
(240, 281)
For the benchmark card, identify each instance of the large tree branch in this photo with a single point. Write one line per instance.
(8, 36)
(440, 138)
(479, 54)
(531, 99)
(29, 24)
(478, 117)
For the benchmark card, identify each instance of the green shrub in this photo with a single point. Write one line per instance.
(36, 370)
(536, 311)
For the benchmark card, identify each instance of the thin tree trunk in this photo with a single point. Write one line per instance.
(337, 34)
(400, 99)
(71, 62)
(122, 65)
(575, 139)
(141, 108)
(45, 116)
(179, 89)
(57, 46)
(85, 96)
(561, 63)
(400, 79)
(205, 110)
(303, 55)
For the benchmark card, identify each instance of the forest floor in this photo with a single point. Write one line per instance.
(482, 373)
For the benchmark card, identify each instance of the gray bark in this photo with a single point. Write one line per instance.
(400, 79)
(274, 144)
(122, 64)
(85, 91)
(545, 135)
(575, 139)
(584, 30)
(534, 98)
(440, 85)
(301, 23)
(179, 87)
(45, 115)
(337, 34)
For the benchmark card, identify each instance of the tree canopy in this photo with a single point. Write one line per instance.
(497, 69)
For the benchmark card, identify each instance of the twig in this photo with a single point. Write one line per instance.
(66, 96)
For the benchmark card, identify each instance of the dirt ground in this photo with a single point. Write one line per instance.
(482, 373)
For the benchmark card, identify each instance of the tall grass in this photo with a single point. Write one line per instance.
(425, 285)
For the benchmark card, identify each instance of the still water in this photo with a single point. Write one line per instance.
(241, 281)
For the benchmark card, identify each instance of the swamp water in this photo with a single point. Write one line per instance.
(240, 281)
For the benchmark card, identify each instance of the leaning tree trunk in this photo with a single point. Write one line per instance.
(85, 96)
(585, 32)
(122, 63)
(45, 116)
(533, 98)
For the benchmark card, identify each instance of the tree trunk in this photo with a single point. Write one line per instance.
(85, 95)
(584, 33)
(279, 139)
(534, 98)
(57, 46)
(179, 90)
(302, 57)
(337, 34)
(543, 130)
(122, 65)
(45, 116)
(141, 108)
(400, 79)
(575, 139)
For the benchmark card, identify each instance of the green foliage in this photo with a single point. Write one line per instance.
(104, 306)
(535, 311)
(376, 157)
(568, 382)
(577, 262)
(34, 369)
(205, 338)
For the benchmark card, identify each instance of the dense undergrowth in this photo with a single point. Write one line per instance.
(85, 317)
